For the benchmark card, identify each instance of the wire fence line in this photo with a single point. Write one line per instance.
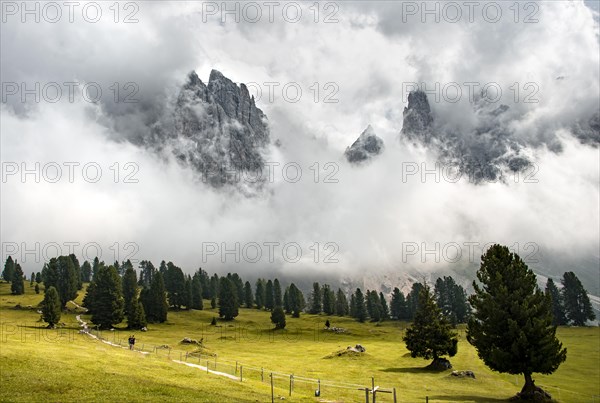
(296, 384)
(293, 384)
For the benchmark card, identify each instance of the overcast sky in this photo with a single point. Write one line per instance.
(365, 57)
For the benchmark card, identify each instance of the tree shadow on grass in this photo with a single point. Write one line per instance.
(467, 398)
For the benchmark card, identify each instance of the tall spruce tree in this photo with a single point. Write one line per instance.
(412, 300)
(77, 268)
(51, 309)
(17, 286)
(269, 296)
(86, 272)
(260, 293)
(385, 310)
(430, 334)
(187, 295)
(60, 273)
(341, 303)
(451, 298)
(558, 309)
(228, 302)
(277, 297)
(398, 308)
(328, 300)
(248, 297)
(374, 306)
(511, 326)
(578, 308)
(296, 300)
(360, 310)
(197, 302)
(130, 289)
(9, 269)
(175, 285)
(136, 318)
(315, 307)
(154, 300)
(108, 298)
(286, 301)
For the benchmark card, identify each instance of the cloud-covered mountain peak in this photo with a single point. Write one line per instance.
(365, 147)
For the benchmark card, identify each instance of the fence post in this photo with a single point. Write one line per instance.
(272, 395)
(262, 374)
(241, 373)
(426, 399)
(394, 395)
(366, 395)
(319, 386)
(291, 380)
(372, 383)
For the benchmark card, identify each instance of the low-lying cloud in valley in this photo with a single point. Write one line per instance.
(367, 217)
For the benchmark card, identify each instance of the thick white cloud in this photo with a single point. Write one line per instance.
(371, 211)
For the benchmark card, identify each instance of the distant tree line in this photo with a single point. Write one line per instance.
(115, 293)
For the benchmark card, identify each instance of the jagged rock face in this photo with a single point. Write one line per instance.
(484, 154)
(218, 129)
(418, 120)
(366, 146)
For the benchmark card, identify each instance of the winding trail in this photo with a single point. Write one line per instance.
(86, 330)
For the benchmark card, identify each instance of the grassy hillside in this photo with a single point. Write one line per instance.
(67, 366)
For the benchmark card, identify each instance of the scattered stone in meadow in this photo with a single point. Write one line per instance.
(463, 374)
(144, 329)
(349, 351)
(187, 340)
(337, 329)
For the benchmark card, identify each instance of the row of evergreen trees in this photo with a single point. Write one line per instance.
(149, 298)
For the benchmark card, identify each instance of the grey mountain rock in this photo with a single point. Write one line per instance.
(484, 154)
(366, 146)
(218, 129)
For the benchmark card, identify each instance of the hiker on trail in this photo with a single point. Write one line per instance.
(131, 342)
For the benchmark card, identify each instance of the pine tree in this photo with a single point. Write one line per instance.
(51, 309)
(187, 295)
(398, 308)
(130, 290)
(452, 300)
(77, 268)
(38, 277)
(17, 286)
(31, 281)
(558, 310)
(430, 334)
(213, 302)
(86, 272)
(412, 300)
(374, 308)
(228, 302)
(385, 311)
(341, 303)
(286, 301)
(9, 269)
(197, 302)
(277, 298)
(108, 298)
(136, 318)
(260, 293)
(315, 307)
(296, 300)
(353, 305)
(328, 300)
(239, 286)
(95, 267)
(248, 297)
(578, 308)
(154, 300)
(60, 273)
(360, 310)
(175, 285)
(37, 288)
(269, 296)
(511, 326)
(214, 287)
(278, 317)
